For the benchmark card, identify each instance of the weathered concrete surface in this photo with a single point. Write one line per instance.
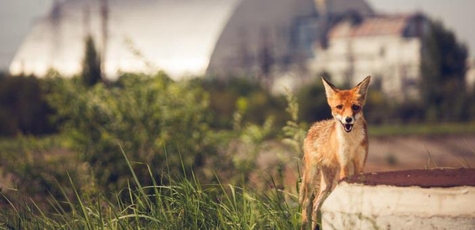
(357, 206)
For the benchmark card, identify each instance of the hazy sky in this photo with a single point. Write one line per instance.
(18, 16)
(16, 19)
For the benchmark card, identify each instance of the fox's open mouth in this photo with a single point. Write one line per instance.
(347, 127)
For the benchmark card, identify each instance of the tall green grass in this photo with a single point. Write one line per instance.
(180, 203)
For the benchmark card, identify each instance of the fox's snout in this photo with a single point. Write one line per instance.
(349, 120)
(346, 119)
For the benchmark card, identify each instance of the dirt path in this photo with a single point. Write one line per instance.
(416, 152)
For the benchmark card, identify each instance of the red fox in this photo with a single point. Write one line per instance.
(332, 147)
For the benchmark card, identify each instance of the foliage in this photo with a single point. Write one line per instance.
(313, 104)
(36, 167)
(23, 107)
(257, 104)
(248, 146)
(443, 75)
(294, 132)
(154, 119)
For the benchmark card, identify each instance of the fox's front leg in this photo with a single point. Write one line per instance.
(347, 170)
(359, 166)
(307, 191)
(327, 177)
(360, 160)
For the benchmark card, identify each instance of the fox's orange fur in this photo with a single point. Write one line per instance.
(338, 146)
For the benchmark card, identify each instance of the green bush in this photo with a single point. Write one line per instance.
(153, 118)
(257, 103)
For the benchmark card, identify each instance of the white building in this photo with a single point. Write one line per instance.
(387, 47)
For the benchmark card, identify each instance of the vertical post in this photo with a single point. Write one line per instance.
(55, 18)
(105, 35)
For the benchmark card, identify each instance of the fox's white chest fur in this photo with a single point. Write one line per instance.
(351, 145)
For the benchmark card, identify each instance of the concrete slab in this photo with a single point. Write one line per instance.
(360, 206)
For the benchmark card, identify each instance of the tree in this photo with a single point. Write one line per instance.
(91, 72)
(443, 75)
(23, 107)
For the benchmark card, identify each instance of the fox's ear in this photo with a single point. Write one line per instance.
(362, 88)
(330, 89)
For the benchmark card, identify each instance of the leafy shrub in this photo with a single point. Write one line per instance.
(257, 103)
(153, 118)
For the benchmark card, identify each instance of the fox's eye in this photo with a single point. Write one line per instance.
(356, 107)
(339, 106)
